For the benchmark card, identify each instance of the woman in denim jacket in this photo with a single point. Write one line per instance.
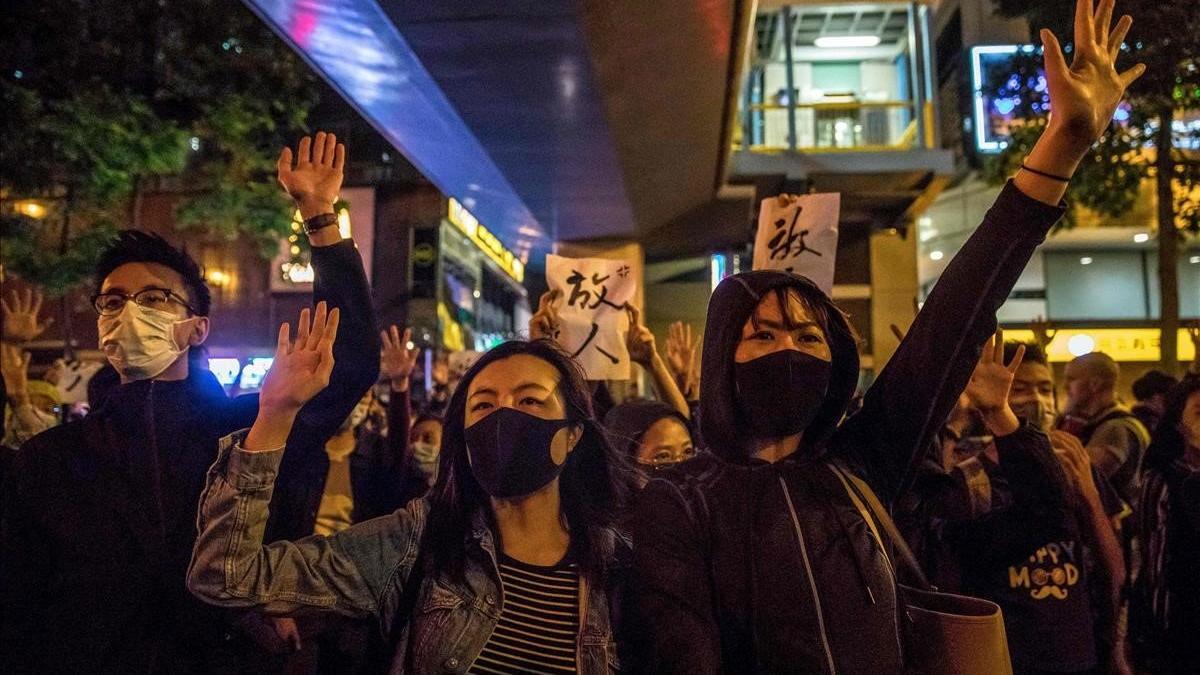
(511, 564)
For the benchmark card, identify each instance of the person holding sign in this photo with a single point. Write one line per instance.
(753, 557)
(511, 564)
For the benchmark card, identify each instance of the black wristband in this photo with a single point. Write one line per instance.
(320, 222)
(1051, 176)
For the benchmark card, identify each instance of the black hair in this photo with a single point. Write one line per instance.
(1168, 443)
(627, 424)
(428, 417)
(135, 246)
(593, 484)
(1152, 384)
(1033, 353)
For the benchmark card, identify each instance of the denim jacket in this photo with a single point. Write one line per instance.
(363, 572)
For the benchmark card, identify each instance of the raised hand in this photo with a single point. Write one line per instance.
(396, 359)
(544, 325)
(682, 357)
(20, 311)
(301, 368)
(988, 389)
(299, 372)
(315, 179)
(1043, 335)
(639, 341)
(1084, 95)
(1075, 461)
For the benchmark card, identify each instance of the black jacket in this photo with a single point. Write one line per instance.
(99, 515)
(745, 566)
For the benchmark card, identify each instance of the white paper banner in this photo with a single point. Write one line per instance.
(800, 238)
(591, 312)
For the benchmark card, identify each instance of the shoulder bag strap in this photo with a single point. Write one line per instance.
(876, 515)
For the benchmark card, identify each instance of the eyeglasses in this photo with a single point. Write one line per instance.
(110, 304)
(667, 461)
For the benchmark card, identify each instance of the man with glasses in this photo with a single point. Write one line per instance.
(99, 515)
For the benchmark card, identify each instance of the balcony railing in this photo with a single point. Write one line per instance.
(831, 126)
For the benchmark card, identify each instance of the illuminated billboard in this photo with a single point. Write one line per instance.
(999, 92)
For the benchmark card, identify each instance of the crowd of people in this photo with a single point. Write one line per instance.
(512, 517)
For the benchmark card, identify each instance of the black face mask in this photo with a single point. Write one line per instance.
(781, 393)
(509, 452)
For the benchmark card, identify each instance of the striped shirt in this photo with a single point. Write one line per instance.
(538, 622)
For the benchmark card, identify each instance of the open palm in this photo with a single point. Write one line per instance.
(396, 359)
(20, 312)
(301, 369)
(315, 177)
(989, 385)
(1084, 95)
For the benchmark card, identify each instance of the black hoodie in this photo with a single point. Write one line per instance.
(746, 566)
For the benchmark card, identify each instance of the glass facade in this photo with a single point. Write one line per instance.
(838, 77)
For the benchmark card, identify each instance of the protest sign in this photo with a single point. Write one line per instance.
(592, 317)
(800, 237)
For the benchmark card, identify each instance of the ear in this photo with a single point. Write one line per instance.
(198, 332)
(575, 433)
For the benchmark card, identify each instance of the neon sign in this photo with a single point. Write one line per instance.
(485, 240)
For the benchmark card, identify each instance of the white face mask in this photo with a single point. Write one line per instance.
(425, 453)
(140, 342)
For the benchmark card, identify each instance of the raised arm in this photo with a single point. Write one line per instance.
(396, 363)
(917, 389)
(346, 573)
(642, 351)
(313, 179)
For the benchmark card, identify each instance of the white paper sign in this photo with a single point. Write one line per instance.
(591, 312)
(800, 238)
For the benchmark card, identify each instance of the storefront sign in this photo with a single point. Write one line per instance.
(1122, 344)
(485, 240)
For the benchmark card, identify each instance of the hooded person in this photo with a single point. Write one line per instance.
(752, 557)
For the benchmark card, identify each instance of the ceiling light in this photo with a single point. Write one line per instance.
(834, 41)
(1085, 260)
(936, 256)
(1195, 260)
(1141, 238)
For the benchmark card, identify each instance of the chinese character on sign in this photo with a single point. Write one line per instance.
(789, 243)
(595, 287)
(799, 237)
(592, 320)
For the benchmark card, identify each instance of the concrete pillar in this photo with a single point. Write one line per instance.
(894, 289)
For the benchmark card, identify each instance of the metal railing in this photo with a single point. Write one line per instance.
(833, 126)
